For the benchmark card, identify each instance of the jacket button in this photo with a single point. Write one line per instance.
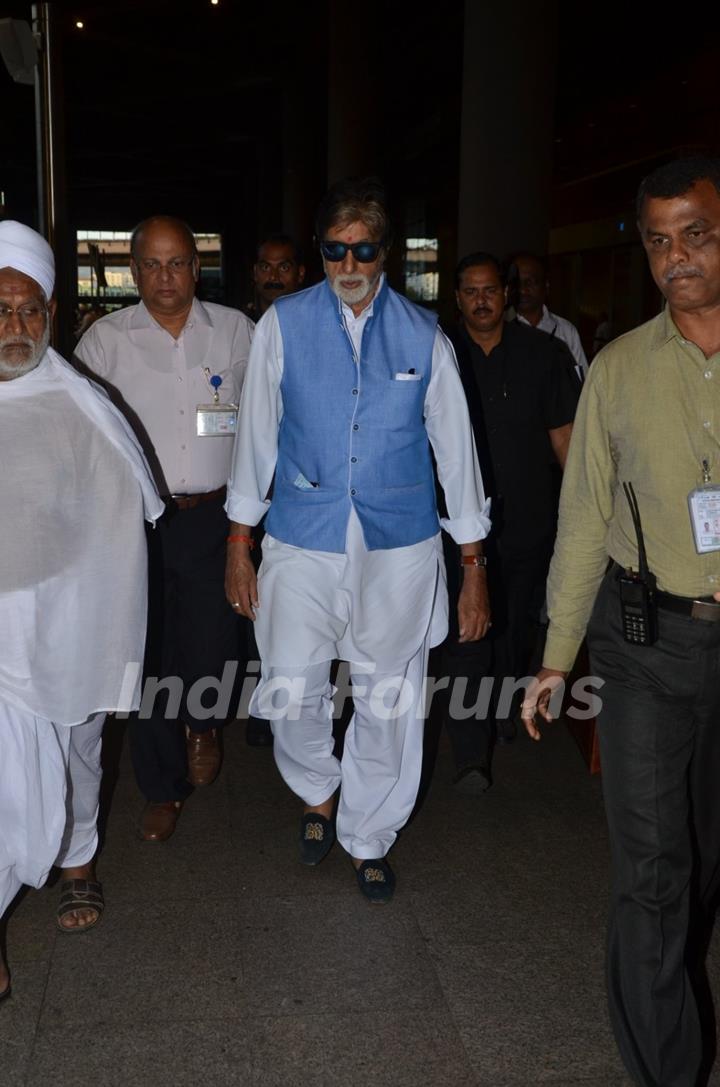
(353, 491)
(353, 460)
(356, 426)
(355, 392)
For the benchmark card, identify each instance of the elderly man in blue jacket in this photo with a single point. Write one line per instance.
(349, 386)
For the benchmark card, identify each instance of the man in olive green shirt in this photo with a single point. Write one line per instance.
(650, 415)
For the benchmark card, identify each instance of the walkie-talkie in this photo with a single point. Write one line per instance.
(637, 590)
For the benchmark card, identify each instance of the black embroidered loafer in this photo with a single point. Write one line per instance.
(376, 880)
(317, 835)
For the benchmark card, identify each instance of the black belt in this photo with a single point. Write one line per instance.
(699, 607)
(189, 501)
(704, 607)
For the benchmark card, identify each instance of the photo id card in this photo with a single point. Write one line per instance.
(216, 420)
(704, 504)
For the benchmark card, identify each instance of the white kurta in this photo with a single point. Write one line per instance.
(398, 595)
(73, 567)
(75, 488)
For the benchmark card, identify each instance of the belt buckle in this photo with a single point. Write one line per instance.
(703, 609)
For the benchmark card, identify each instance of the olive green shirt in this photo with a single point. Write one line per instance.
(649, 414)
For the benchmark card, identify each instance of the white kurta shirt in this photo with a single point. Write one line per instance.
(162, 380)
(73, 567)
(564, 330)
(395, 595)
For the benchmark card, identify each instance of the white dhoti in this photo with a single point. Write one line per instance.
(380, 610)
(49, 790)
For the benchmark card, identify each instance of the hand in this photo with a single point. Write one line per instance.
(241, 582)
(717, 597)
(473, 606)
(537, 699)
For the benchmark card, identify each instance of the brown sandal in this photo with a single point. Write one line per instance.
(80, 894)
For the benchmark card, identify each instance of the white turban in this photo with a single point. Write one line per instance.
(27, 251)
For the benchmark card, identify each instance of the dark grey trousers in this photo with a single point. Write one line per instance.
(659, 732)
(192, 632)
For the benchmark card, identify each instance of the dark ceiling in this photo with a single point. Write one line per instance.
(186, 106)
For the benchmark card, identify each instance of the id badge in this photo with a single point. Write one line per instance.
(704, 505)
(216, 420)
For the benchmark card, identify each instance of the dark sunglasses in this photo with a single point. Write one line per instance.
(363, 252)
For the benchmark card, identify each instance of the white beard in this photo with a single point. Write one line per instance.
(351, 296)
(10, 370)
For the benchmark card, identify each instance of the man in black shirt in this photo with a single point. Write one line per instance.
(522, 393)
(278, 270)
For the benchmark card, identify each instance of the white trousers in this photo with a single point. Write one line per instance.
(379, 774)
(49, 794)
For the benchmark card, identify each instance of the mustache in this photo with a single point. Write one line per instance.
(271, 285)
(481, 309)
(686, 272)
(16, 341)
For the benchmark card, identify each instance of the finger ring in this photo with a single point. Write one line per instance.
(236, 604)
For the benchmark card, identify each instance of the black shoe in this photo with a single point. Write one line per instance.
(376, 880)
(317, 835)
(473, 779)
(258, 733)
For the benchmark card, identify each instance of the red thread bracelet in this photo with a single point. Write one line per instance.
(242, 539)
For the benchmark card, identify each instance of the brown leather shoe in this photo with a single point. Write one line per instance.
(203, 754)
(158, 821)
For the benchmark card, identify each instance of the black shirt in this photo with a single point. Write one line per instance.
(525, 387)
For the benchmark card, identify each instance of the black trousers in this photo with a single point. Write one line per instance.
(517, 593)
(192, 632)
(659, 731)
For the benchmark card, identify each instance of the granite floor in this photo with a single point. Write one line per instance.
(221, 960)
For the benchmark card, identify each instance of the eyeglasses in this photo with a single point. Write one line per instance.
(173, 267)
(363, 252)
(28, 314)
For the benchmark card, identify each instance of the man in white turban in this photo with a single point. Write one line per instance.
(75, 489)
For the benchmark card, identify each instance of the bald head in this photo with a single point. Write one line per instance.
(161, 222)
(165, 266)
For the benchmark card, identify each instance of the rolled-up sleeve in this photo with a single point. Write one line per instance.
(448, 426)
